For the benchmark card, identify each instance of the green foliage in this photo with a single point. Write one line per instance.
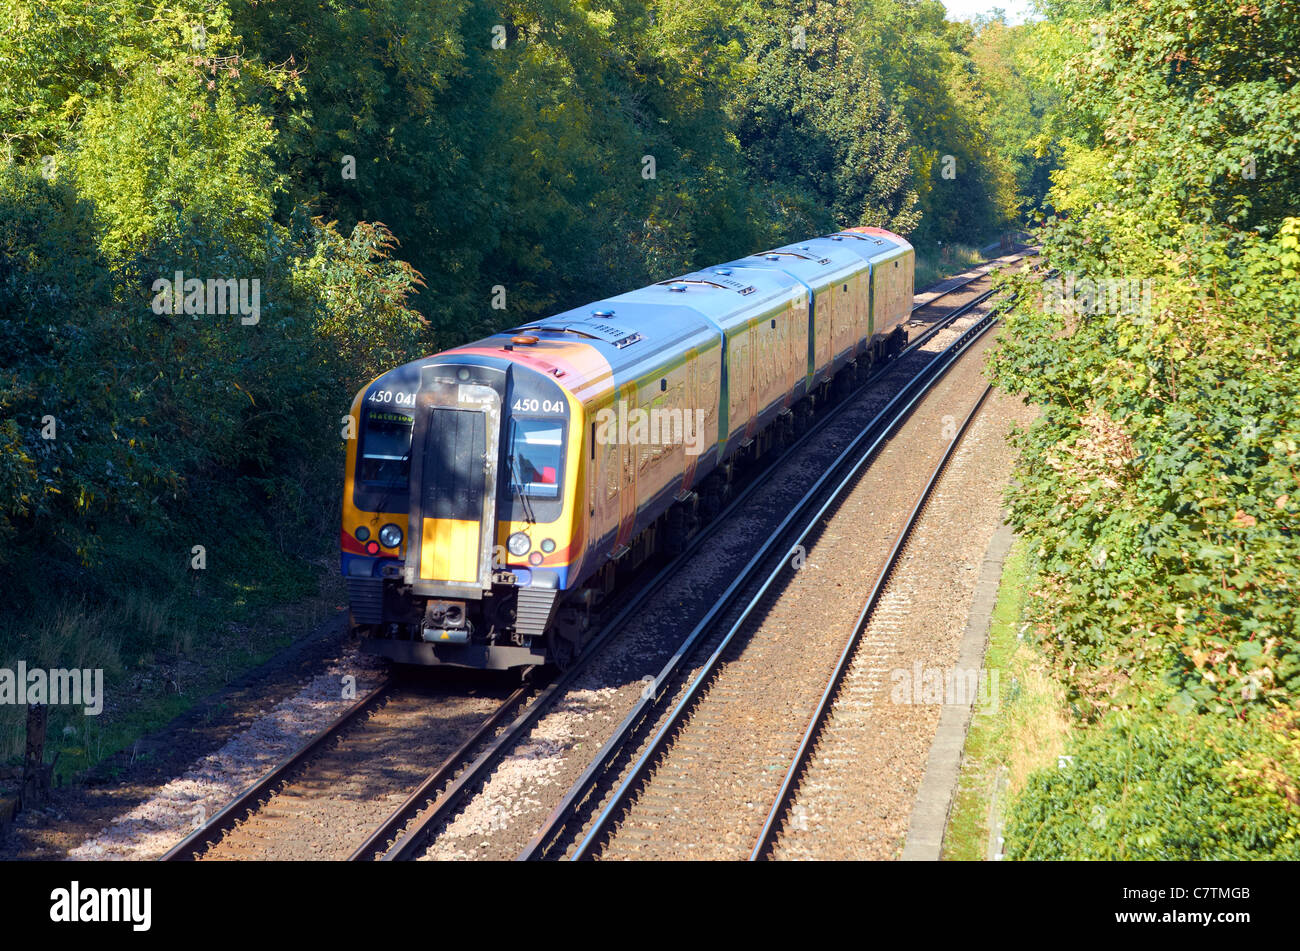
(1160, 483)
(961, 95)
(1166, 788)
(814, 115)
(147, 194)
(153, 414)
(129, 434)
(518, 164)
(377, 170)
(1019, 102)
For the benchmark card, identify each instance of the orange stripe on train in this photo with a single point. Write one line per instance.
(581, 365)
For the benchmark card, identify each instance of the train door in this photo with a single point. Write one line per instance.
(861, 317)
(872, 320)
(740, 380)
(609, 476)
(691, 398)
(627, 456)
(846, 331)
(772, 330)
(794, 359)
(823, 321)
(452, 520)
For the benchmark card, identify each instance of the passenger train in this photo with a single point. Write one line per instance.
(496, 493)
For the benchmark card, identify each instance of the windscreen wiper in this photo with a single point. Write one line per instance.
(515, 477)
(392, 486)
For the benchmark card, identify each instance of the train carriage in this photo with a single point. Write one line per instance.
(495, 492)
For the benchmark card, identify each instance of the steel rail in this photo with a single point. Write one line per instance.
(969, 281)
(208, 834)
(392, 826)
(654, 693)
(785, 796)
(420, 821)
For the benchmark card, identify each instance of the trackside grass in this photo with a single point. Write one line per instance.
(1020, 728)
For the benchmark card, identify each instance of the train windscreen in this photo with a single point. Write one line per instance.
(535, 454)
(385, 459)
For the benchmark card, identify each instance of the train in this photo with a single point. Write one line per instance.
(496, 495)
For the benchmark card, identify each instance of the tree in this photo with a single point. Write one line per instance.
(814, 123)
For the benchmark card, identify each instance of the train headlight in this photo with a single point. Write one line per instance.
(390, 536)
(363, 534)
(519, 543)
(548, 545)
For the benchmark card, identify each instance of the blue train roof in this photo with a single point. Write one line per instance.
(693, 309)
(814, 266)
(635, 327)
(724, 295)
(627, 331)
(870, 246)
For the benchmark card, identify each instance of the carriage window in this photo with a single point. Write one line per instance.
(536, 451)
(385, 458)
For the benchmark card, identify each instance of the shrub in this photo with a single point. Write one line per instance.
(1155, 786)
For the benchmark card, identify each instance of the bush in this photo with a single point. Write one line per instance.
(1159, 486)
(1156, 786)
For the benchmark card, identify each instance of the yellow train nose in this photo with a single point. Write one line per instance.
(450, 549)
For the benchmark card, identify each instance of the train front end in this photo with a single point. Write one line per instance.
(460, 514)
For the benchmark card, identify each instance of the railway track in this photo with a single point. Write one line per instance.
(620, 772)
(211, 831)
(300, 773)
(412, 828)
(409, 828)
(786, 795)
